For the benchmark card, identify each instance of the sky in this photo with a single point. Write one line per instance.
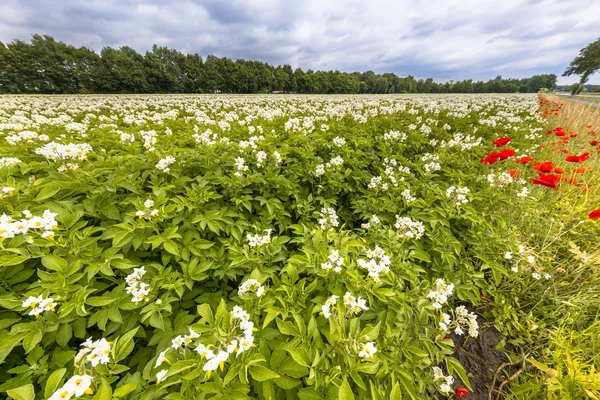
(442, 39)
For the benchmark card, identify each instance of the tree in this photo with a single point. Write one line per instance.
(585, 64)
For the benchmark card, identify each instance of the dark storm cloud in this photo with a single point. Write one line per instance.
(444, 39)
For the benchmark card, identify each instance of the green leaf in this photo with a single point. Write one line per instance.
(54, 263)
(124, 345)
(260, 373)
(395, 393)
(24, 392)
(180, 366)
(105, 391)
(171, 247)
(454, 367)
(47, 192)
(345, 392)
(408, 386)
(300, 356)
(124, 390)
(309, 394)
(205, 312)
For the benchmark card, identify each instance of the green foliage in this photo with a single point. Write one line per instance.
(197, 247)
(62, 68)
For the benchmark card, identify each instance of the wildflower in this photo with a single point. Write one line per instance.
(251, 285)
(161, 358)
(458, 195)
(326, 308)
(368, 351)
(160, 376)
(165, 163)
(80, 384)
(460, 392)
(501, 142)
(378, 263)
(257, 241)
(355, 305)
(439, 295)
(594, 215)
(409, 229)
(64, 393)
(328, 218)
(136, 287)
(338, 141)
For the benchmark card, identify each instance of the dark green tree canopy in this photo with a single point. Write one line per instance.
(585, 64)
(49, 66)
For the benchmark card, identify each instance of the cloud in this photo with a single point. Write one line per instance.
(443, 39)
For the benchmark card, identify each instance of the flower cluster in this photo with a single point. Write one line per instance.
(150, 139)
(38, 305)
(446, 381)
(463, 320)
(439, 295)
(240, 165)
(334, 162)
(409, 229)
(136, 287)
(251, 286)
(9, 228)
(335, 262)
(26, 136)
(458, 195)
(57, 151)
(500, 180)
(97, 352)
(395, 135)
(207, 138)
(368, 350)
(353, 304)
(524, 259)
(165, 163)
(77, 386)
(326, 308)
(328, 218)
(338, 141)
(378, 263)
(374, 220)
(256, 240)
(9, 161)
(432, 162)
(149, 211)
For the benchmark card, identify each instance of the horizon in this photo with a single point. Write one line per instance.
(516, 39)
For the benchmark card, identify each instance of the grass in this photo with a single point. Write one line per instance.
(563, 318)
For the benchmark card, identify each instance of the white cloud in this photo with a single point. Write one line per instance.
(443, 39)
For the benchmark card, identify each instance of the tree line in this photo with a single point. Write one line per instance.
(52, 67)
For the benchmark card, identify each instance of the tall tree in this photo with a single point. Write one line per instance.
(585, 64)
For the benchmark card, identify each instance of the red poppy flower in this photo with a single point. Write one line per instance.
(594, 215)
(579, 171)
(565, 151)
(502, 141)
(573, 135)
(488, 160)
(547, 166)
(525, 160)
(578, 159)
(546, 180)
(549, 132)
(560, 133)
(514, 173)
(594, 142)
(572, 181)
(559, 171)
(503, 155)
(460, 392)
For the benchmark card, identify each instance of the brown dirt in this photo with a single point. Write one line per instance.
(480, 360)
